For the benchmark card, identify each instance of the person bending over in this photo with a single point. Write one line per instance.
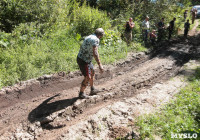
(88, 50)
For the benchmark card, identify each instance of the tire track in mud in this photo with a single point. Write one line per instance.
(19, 101)
(17, 109)
(57, 105)
(165, 65)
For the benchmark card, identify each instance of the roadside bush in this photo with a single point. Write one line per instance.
(4, 40)
(29, 56)
(86, 20)
(112, 47)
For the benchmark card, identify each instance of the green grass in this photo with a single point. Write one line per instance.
(24, 59)
(178, 116)
(198, 27)
(192, 25)
(28, 56)
(51, 43)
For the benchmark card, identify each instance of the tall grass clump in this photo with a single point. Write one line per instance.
(30, 56)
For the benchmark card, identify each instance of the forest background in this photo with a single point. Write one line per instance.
(40, 37)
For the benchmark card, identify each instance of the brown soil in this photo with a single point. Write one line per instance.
(43, 108)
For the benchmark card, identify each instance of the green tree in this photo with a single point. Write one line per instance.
(14, 12)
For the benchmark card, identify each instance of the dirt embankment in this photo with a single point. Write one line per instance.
(46, 107)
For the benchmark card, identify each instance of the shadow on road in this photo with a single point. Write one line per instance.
(180, 50)
(46, 108)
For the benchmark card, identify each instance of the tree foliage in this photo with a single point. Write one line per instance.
(14, 12)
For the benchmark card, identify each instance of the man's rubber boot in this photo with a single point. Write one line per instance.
(94, 91)
(83, 95)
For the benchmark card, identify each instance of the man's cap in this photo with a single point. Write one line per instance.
(99, 32)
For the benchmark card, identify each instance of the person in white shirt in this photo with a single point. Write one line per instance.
(145, 28)
(88, 51)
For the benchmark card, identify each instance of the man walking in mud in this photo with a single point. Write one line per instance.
(88, 50)
(171, 28)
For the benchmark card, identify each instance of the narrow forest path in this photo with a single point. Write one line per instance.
(194, 30)
(48, 107)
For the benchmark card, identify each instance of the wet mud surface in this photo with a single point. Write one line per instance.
(47, 106)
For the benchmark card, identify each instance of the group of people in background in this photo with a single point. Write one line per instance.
(89, 48)
(151, 34)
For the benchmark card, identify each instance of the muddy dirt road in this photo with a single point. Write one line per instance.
(46, 107)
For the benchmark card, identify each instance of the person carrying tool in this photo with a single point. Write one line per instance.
(88, 50)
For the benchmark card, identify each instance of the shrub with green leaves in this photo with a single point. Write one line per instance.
(112, 47)
(86, 20)
(4, 39)
(14, 12)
